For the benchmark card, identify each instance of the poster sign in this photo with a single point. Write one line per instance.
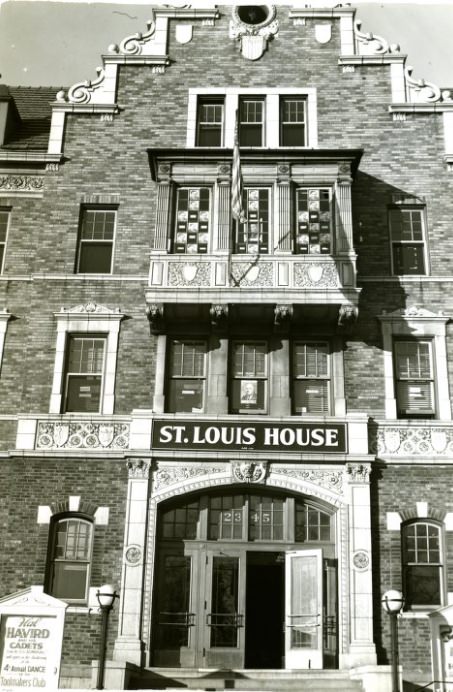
(212, 435)
(31, 632)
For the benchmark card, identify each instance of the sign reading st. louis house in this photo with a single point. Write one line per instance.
(215, 435)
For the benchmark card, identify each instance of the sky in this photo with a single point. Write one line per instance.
(60, 42)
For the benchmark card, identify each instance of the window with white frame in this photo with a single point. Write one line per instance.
(96, 238)
(186, 376)
(314, 220)
(4, 223)
(251, 121)
(414, 378)
(272, 117)
(293, 121)
(71, 543)
(93, 322)
(210, 121)
(192, 220)
(84, 374)
(423, 578)
(249, 377)
(408, 239)
(311, 378)
(252, 236)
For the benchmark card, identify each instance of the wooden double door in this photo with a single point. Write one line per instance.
(244, 605)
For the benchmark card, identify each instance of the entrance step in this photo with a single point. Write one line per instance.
(214, 680)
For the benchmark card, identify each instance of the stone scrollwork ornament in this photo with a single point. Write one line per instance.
(249, 472)
(253, 26)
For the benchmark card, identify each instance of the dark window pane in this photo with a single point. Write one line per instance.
(408, 259)
(224, 602)
(95, 258)
(69, 580)
(84, 393)
(209, 136)
(422, 585)
(173, 599)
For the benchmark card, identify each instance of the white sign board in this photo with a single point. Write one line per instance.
(31, 634)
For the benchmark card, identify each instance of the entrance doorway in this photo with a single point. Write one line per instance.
(242, 582)
(264, 611)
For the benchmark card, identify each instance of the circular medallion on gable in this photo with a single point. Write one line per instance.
(254, 16)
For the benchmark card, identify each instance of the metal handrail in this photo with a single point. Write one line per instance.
(433, 682)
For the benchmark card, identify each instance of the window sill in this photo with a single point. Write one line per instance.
(418, 614)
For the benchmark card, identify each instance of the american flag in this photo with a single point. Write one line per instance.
(236, 178)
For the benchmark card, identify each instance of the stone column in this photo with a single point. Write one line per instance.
(163, 216)
(361, 646)
(284, 241)
(223, 242)
(128, 645)
(344, 241)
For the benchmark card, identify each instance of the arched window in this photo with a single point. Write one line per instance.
(423, 578)
(70, 559)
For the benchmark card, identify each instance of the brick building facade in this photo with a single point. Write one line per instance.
(225, 350)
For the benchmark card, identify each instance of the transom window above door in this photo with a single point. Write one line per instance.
(245, 517)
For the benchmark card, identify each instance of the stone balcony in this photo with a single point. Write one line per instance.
(422, 440)
(308, 279)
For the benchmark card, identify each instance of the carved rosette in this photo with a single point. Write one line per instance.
(330, 480)
(173, 475)
(133, 555)
(189, 274)
(249, 471)
(82, 435)
(358, 473)
(361, 560)
(138, 468)
(256, 275)
(315, 275)
(22, 183)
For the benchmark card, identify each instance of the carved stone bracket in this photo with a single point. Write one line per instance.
(282, 317)
(138, 468)
(155, 314)
(219, 317)
(358, 473)
(421, 91)
(249, 471)
(344, 173)
(82, 91)
(347, 317)
(370, 44)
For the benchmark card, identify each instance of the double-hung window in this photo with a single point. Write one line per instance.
(311, 378)
(414, 379)
(4, 221)
(249, 377)
(186, 380)
(70, 558)
(314, 221)
(292, 121)
(423, 579)
(251, 121)
(408, 239)
(210, 122)
(252, 236)
(97, 233)
(84, 374)
(192, 220)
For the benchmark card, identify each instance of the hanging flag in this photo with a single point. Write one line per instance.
(236, 178)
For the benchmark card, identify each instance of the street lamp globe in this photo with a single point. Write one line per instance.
(106, 595)
(392, 601)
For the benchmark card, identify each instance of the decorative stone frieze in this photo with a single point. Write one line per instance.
(315, 275)
(249, 471)
(90, 309)
(172, 475)
(21, 183)
(138, 468)
(405, 441)
(251, 274)
(79, 435)
(189, 274)
(331, 480)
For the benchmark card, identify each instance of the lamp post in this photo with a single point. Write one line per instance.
(106, 596)
(392, 602)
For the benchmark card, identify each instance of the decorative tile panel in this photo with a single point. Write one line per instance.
(79, 435)
(408, 441)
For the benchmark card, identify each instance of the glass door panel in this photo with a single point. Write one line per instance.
(224, 632)
(303, 609)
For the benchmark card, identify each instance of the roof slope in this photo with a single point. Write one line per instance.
(33, 106)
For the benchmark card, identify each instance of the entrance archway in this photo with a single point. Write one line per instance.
(245, 578)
